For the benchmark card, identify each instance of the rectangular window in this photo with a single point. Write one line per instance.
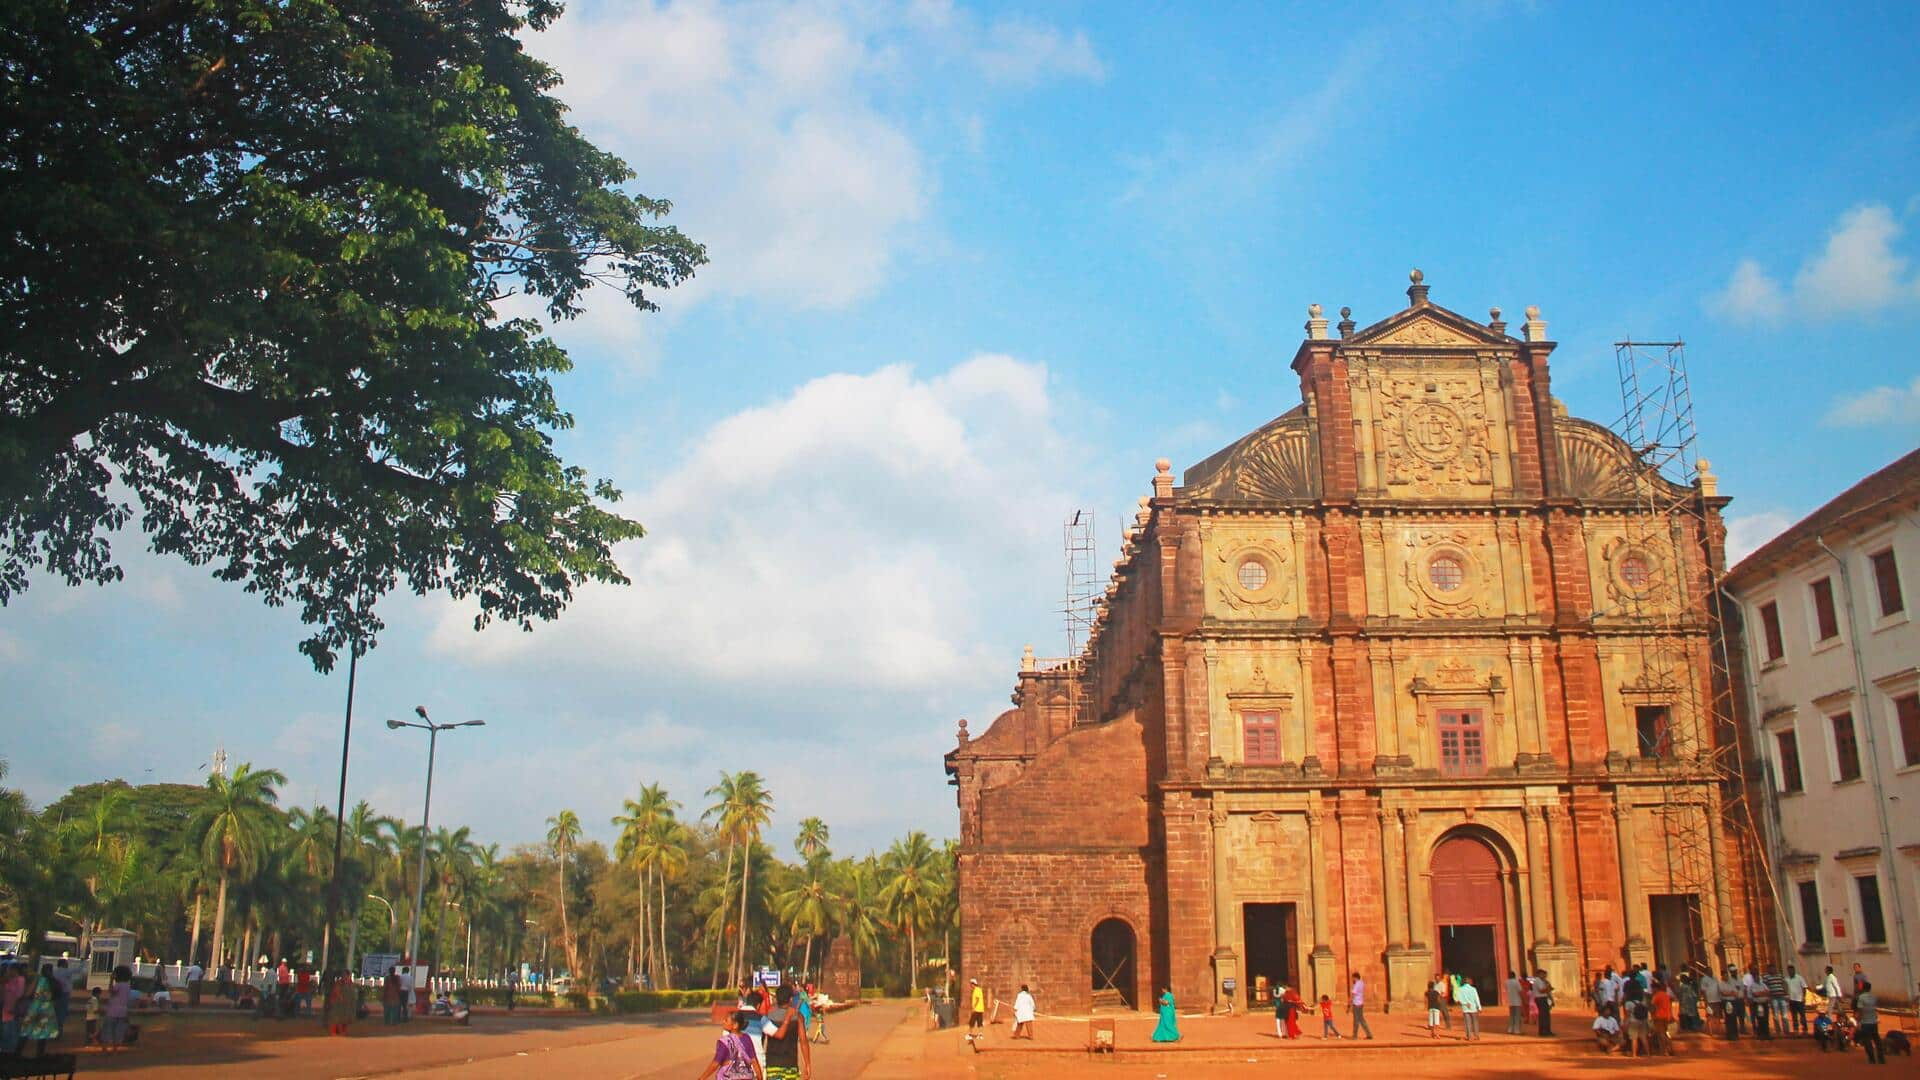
(1653, 724)
(1463, 748)
(1770, 630)
(1886, 581)
(1873, 923)
(1260, 733)
(1907, 711)
(1846, 751)
(1811, 930)
(1826, 622)
(1789, 746)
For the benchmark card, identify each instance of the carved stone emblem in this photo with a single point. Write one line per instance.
(1434, 432)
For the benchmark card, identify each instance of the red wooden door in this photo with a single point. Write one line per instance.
(1467, 891)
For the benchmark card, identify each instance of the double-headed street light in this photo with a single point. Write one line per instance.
(433, 731)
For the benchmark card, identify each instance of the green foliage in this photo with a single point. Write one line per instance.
(649, 1001)
(255, 254)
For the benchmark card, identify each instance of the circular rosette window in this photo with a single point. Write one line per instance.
(1446, 574)
(1636, 571)
(1256, 575)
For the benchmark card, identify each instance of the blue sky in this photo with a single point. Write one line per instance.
(976, 266)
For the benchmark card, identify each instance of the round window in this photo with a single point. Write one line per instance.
(1253, 575)
(1635, 571)
(1446, 573)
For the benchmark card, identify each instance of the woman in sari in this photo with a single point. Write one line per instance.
(1526, 999)
(1169, 1027)
(1294, 1005)
(340, 1001)
(42, 1024)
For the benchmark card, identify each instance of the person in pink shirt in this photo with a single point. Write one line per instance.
(13, 986)
(119, 999)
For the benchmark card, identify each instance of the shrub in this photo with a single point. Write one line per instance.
(651, 1001)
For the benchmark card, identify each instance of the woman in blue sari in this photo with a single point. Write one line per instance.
(1169, 1028)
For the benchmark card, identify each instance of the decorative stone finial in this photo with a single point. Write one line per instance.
(1346, 322)
(1026, 659)
(1316, 324)
(1163, 479)
(1494, 322)
(1536, 327)
(1709, 483)
(1417, 292)
(963, 733)
(1162, 465)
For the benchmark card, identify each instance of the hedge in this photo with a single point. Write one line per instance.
(650, 1001)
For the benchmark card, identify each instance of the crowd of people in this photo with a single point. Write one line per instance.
(768, 1033)
(1636, 1011)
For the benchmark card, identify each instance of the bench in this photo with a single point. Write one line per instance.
(46, 1065)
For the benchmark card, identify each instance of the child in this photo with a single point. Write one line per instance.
(1822, 1029)
(1434, 1005)
(93, 1017)
(1327, 1030)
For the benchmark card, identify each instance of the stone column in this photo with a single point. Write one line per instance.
(1543, 925)
(1633, 903)
(1557, 851)
(1416, 912)
(1389, 875)
(1730, 943)
(1226, 962)
(1324, 980)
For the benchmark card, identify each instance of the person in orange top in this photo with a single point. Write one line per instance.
(1664, 1015)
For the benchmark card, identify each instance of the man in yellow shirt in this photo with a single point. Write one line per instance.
(977, 1003)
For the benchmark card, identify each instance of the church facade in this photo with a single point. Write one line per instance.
(1408, 679)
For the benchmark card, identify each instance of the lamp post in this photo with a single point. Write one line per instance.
(433, 731)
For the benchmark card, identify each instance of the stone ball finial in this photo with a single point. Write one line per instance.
(1704, 465)
(1346, 313)
(1163, 466)
(1313, 311)
(1533, 311)
(1416, 276)
(963, 731)
(1494, 314)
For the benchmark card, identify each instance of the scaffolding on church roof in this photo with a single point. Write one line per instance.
(1083, 580)
(1693, 728)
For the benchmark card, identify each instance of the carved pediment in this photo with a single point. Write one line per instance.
(1424, 331)
(1275, 463)
(1428, 325)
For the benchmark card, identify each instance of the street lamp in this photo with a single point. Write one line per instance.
(433, 731)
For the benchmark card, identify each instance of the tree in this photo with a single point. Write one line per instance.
(811, 840)
(745, 808)
(909, 879)
(563, 836)
(637, 821)
(666, 847)
(810, 907)
(255, 252)
(230, 830)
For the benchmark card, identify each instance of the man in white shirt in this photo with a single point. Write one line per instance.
(1797, 999)
(1468, 999)
(1606, 1031)
(406, 993)
(1605, 992)
(1023, 1013)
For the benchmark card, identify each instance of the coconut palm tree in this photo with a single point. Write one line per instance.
(811, 840)
(637, 820)
(810, 905)
(230, 829)
(857, 884)
(744, 809)
(563, 836)
(909, 878)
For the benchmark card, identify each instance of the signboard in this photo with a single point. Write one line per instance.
(1839, 927)
(375, 965)
(767, 977)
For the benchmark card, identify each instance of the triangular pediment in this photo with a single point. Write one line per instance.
(1428, 325)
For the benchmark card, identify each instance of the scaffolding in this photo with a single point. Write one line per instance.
(1696, 738)
(1083, 580)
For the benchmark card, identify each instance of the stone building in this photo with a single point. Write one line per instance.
(1370, 692)
(1834, 657)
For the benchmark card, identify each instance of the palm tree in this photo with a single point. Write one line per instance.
(666, 846)
(809, 907)
(909, 872)
(811, 840)
(230, 829)
(563, 835)
(745, 808)
(453, 855)
(636, 822)
(98, 839)
(857, 884)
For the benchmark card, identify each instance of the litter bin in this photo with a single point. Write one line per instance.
(944, 1010)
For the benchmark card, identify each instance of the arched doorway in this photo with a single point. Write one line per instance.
(1113, 965)
(1470, 912)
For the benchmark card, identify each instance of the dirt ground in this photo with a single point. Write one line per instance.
(889, 1041)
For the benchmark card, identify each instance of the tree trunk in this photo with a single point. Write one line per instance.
(193, 946)
(746, 877)
(353, 940)
(220, 923)
(665, 981)
(642, 934)
(719, 940)
(566, 933)
(913, 957)
(806, 964)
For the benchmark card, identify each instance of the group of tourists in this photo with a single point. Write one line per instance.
(768, 1034)
(35, 1007)
(1636, 1011)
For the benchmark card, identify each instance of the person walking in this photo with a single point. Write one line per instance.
(789, 1055)
(1866, 1014)
(733, 1054)
(390, 1000)
(1168, 1030)
(1543, 1000)
(1468, 997)
(976, 1010)
(1516, 1010)
(13, 1004)
(1796, 984)
(113, 1032)
(1295, 1005)
(339, 1002)
(41, 1024)
(1328, 1029)
(1024, 1010)
(1357, 1001)
(1830, 989)
(1443, 990)
(1664, 1014)
(1433, 1009)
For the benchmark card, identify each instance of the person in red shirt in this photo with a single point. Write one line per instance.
(1664, 1015)
(303, 991)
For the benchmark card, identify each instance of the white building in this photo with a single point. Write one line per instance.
(1832, 659)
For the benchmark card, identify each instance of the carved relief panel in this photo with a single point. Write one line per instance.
(1447, 572)
(1252, 572)
(1635, 570)
(1432, 434)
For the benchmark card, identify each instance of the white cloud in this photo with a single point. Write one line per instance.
(1878, 405)
(772, 129)
(1751, 296)
(1857, 272)
(1746, 532)
(859, 533)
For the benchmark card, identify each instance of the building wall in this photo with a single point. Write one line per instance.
(1830, 829)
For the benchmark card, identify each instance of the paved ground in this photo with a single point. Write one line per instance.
(888, 1041)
